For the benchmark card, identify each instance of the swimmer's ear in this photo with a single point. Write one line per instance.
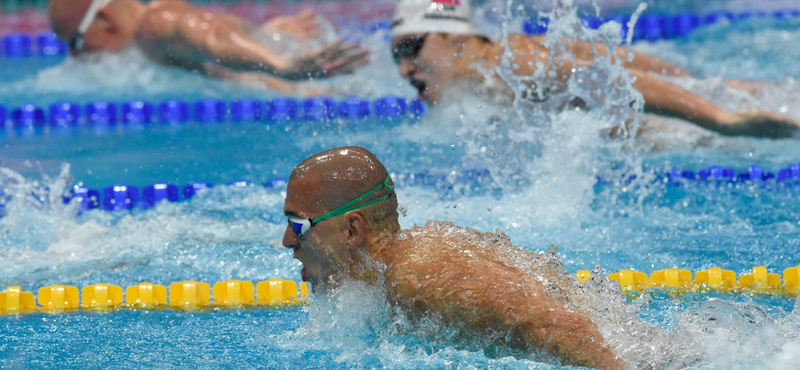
(357, 230)
(107, 20)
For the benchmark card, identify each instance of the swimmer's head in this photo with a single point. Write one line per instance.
(319, 186)
(109, 24)
(429, 41)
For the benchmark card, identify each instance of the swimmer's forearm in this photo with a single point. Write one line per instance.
(574, 337)
(664, 98)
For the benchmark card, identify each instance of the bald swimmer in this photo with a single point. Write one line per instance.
(435, 44)
(343, 224)
(176, 33)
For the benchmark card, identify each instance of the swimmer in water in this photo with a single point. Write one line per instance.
(176, 33)
(435, 44)
(343, 224)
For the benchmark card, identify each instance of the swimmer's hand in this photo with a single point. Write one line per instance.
(758, 123)
(302, 26)
(334, 59)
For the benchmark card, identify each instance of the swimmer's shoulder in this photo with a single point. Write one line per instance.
(162, 16)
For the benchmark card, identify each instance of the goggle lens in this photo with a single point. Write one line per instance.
(408, 47)
(299, 226)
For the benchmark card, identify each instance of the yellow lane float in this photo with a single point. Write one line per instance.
(146, 296)
(279, 292)
(630, 280)
(189, 295)
(58, 298)
(101, 297)
(234, 293)
(716, 278)
(15, 301)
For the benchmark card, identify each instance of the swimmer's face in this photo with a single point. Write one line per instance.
(104, 32)
(323, 249)
(433, 67)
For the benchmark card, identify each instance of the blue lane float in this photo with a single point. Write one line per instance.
(246, 110)
(17, 45)
(64, 114)
(210, 111)
(173, 111)
(28, 115)
(152, 194)
(282, 110)
(48, 45)
(137, 113)
(390, 107)
(654, 27)
(319, 109)
(683, 24)
(101, 113)
(120, 197)
(354, 108)
(20, 45)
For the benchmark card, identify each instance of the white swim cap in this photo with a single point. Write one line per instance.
(420, 16)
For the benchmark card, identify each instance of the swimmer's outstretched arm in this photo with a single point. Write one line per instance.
(191, 37)
(664, 98)
(492, 295)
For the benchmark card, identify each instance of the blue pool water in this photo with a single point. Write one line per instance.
(543, 190)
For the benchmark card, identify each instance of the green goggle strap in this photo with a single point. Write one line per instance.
(351, 205)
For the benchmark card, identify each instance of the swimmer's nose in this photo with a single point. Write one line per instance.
(289, 238)
(406, 67)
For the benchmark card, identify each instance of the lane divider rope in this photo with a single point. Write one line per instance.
(66, 115)
(758, 281)
(122, 197)
(654, 27)
(184, 295)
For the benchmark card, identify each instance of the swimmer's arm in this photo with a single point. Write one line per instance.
(192, 38)
(664, 98)
(492, 296)
(530, 313)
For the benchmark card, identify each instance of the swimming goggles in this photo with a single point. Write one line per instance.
(76, 42)
(302, 225)
(409, 47)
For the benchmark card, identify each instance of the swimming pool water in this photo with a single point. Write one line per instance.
(544, 190)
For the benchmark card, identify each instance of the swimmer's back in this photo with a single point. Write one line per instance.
(482, 281)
